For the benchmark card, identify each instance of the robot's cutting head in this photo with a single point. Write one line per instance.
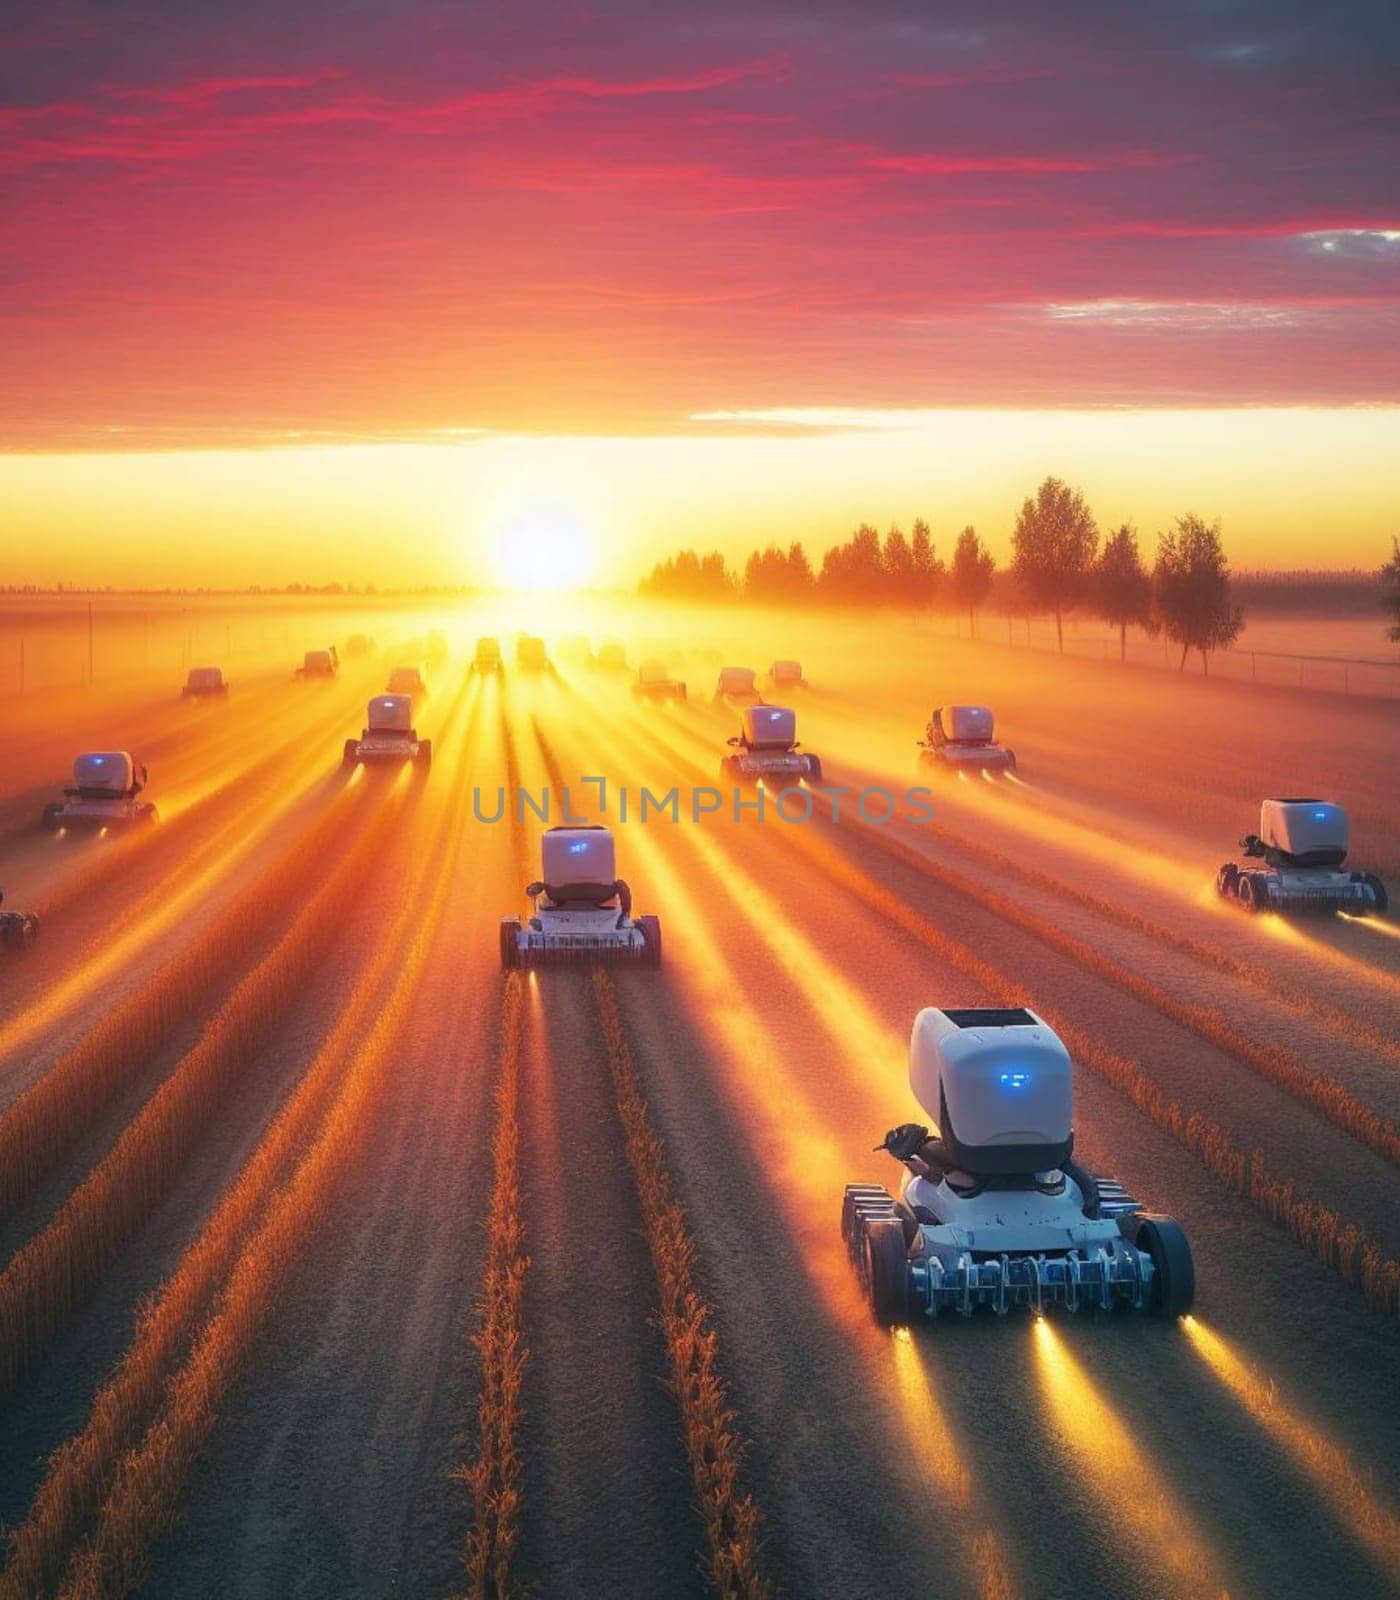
(998, 1082)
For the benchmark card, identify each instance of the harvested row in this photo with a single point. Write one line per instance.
(80, 1471)
(495, 1474)
(50, 1116)
(146, 1486)
(1339, 1244)
(713, 1446)
(45, 1280)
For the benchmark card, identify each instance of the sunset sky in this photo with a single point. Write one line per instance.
(312, 290)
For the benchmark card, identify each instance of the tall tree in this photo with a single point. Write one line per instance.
(1191, 589)
(1390, 590)
(800, 577)
(973, 570)
(1054, 542)
(1123, 585)
(928, 569)
(899, 566)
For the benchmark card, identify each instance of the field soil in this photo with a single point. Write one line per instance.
(272, 1378)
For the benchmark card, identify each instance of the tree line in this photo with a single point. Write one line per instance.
(1059, 564)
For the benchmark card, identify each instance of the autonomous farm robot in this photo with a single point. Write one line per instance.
(993, 1211)
(319, 664)
(205, 683)
(959, 739)
(390, 736)
(765, 750)
(653, 682)
(406, 680)
(18, 929)
(582, 911)
(612, 658)
(104, 795)
(1302, 844)
(737, 686)
(786, 676)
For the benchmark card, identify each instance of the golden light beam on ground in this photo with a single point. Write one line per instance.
(1101, 1448)
(1373, 924)
(156, 914)
(1283, 931)
(934, 1445)
(1329, 1468)
(840, 1007)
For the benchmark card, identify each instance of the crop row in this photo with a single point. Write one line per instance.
(713, 1445)
(495, 1474)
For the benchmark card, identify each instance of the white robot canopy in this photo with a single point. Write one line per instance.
(736, 680)
(111, 771)
(769, 727)
(998, 1081)
(391, 713)
(969, 724)
(577, 859)
(1306, 831)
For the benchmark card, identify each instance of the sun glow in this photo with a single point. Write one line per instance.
(544, 551)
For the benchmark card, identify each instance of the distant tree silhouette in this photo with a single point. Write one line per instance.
(688, 576)
(1191, 593)
(929, 571)
(1390, 590)
(778, 577)
(972, 574)
(1054, 542)
(801, 578)
(854, 572)
(1123, 585)
(898, 563)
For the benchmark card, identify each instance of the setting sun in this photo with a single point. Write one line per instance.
(544, 551)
